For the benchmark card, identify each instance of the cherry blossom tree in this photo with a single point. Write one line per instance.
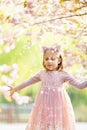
(64, 20)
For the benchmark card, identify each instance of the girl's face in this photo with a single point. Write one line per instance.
(50, 60)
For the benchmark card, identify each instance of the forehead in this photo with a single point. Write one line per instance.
(50, 53)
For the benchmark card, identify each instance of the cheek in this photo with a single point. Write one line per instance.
(56, 63)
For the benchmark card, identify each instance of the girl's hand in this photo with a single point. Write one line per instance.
(12, 90)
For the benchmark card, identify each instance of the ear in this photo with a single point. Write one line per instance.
(57, 48)
(44, 48)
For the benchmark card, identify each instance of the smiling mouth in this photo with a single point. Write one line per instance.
(49, 65)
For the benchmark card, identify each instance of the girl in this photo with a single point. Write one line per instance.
(52, 109)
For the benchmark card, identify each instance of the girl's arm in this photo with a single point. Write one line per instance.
(72, 81)
(26, 83)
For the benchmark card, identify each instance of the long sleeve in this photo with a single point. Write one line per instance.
(30, 81)
(72, 81)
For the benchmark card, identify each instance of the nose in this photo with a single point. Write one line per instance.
(49, 61)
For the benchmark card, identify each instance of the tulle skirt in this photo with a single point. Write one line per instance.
(52, 110)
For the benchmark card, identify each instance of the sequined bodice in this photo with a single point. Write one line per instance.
(51, 79)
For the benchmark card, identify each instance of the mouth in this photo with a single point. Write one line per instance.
(49, 65)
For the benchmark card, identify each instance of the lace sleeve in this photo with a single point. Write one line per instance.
(72, 81)
(30, 81)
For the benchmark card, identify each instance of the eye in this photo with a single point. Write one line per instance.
(53, 58)
(46, 58)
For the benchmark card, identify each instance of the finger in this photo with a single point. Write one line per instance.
(10, 87)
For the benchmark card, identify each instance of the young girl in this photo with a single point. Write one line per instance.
(52, 109)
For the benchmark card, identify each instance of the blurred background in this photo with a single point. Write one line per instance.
(26, 26)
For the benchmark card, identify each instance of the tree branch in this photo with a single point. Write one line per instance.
(62, 17)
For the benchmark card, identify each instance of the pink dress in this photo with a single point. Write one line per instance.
(52, 109)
